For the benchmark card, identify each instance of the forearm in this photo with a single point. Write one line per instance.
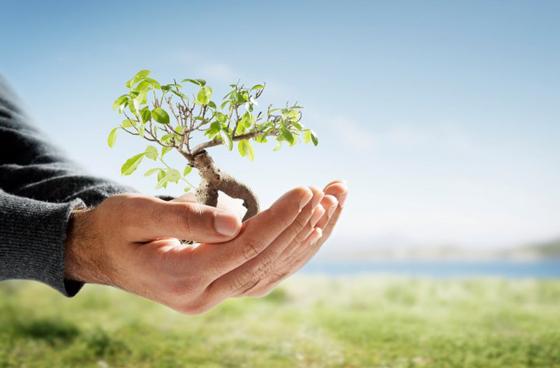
(39, 188)
(32, 238)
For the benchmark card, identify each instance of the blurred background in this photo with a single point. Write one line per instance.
(442, 116)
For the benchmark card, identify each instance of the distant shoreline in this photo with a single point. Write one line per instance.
(541, 269)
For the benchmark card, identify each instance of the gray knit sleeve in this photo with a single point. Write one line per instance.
(39, 187)
(32, 235)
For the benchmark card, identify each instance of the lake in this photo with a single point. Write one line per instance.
(438, 269)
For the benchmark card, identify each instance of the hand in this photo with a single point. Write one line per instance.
(300, 252)
(130, 241)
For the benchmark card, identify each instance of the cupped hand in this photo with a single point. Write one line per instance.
(301, 251)
(130, 241)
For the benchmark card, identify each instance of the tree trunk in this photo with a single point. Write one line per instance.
(214, 180)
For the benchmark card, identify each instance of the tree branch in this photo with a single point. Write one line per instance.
(217, 141)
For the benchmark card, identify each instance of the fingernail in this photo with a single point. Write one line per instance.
(226, 224)
(317, 235)
(318, 212)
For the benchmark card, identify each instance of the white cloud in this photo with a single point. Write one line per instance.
(358, 136)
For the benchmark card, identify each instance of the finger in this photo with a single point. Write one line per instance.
(305, 255)
(330, 203)
(153, 218)
(257, 234)
(295, 244)
(336, 194)
(338, 189)
(236, 281)
(298, 256)
(309, 247)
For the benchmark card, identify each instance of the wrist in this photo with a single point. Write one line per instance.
(80, 250)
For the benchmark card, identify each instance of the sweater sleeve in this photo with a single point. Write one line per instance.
(39, 188)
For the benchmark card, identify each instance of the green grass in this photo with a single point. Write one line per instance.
(309, 322)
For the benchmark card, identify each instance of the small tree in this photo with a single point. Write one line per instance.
(171, 118)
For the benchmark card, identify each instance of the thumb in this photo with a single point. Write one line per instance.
(188, 220)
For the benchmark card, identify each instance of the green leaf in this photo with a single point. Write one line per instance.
(198, 82)
(127, 123)
(288, 136)
(168, 138)
(314, 138)
(120, 101)
(137, 77)
(141, 99)
(204, 95)
(242, 148)
(245, 149)
(132, 107)
(167, 176)
(187, 170)
(187, 189)
(226, 139)
(213, 130)
(152, 171)
(112, 137)
(143, 86)
(132, 164)
(160, 115)
(173, 175)
(151, 153)
(165, 150)
(257, 86)
(297, 125)
(307, 137)
(145, 114)
(261, 139)
(155, 84)
(221, 117)
(245, 123)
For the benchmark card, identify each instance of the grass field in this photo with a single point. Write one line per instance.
(309, 322)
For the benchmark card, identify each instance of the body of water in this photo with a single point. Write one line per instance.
(438, 269)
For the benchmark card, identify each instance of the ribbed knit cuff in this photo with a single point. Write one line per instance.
(32, 237)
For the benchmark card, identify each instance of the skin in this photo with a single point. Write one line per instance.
(131, 241)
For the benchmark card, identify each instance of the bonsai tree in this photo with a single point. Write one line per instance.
(188, 121)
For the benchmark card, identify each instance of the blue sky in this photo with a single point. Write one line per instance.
(442, 116)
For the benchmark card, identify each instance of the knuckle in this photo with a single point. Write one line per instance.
(238, 283)
(300, 223)
(248, 287)
(191, 214)
(251, 249)
(246, 282)
(263, 269)
(183, 219)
